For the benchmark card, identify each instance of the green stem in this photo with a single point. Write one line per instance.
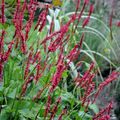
(68, 114)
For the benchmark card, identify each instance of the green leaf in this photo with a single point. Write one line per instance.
(27, 113)
(65, 74)
(13, 93)
(4, 26)
(4, 116)
(83, 114)
(94, 107)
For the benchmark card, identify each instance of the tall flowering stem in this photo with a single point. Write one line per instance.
(3, 54)
(75, 52)
(18, 23)
(80, 14)
(59, 35)
(77, 5)
(2, 37)
(31, 9)
(118, 24)
(40, 92)
(58, 74)
(47, 109)
(42, 19)
(3, 12)
(104, 113)
(64, 111)
(113, 76)
(29, 60)
(54, 109)
(87, 84)
(22, 31)
(86, 21)
(7, 53)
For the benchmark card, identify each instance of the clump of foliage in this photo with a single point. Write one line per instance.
(38, 67)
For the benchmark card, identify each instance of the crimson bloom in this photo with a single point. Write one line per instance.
(113, 76)
(104, 114)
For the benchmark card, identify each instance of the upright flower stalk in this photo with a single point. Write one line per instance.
(47, 109)
(75, 52)
(104, 114)
(59, 36)
(64, 111)
(31, 9)
(33, 59)
(2, 38)
(54, 109)
(3, 12)
(86, 21)
(18, 23)
(113, 76)
(80, 14)
(20, 35)
(42, 20)
(87, 84)
(58, 74)
(118, 24)
(3, 54)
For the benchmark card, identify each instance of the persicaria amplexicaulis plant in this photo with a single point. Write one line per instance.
(44, 66)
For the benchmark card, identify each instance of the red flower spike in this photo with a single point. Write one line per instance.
(7, 54)
(113, 76)
(104, 113)
(111, 19)
(105, 117)
(25, 85)
(29, 23)
(26, 72)
(36, 57)
(74, 53)
(3, 12)
(86, 1)
(87, 84)
(57, 43)
(23, 43)
(87, 77)
(2, 41)
(58, 74)
(86, 21)
(79, 16)
(91, 9)
(64, 111)
(54, 109)
(1, 54)
(89, 87)
(57, 77)
(118, 24)
(47, 106)
(59, 36)
(38, 67)
(77, 5)
(59, 40)
(50, 37)
(18, 23)
(87, 80)
(42, 19)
